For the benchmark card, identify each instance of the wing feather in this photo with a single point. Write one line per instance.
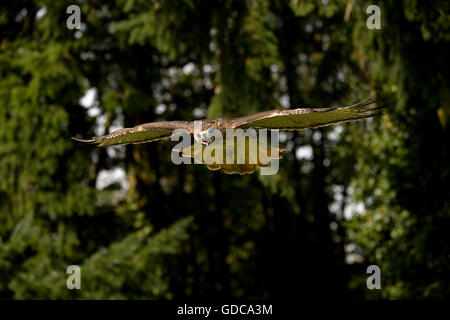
(140, 134)
(304, 118)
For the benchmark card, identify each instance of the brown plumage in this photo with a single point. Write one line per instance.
(292, 119)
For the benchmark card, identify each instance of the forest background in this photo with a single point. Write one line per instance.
(346, 196)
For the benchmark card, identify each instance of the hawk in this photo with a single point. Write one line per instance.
(291, 119)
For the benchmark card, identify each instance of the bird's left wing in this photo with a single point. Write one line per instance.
(299, 119)
(140, 134)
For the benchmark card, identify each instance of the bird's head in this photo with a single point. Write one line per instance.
(205, 137)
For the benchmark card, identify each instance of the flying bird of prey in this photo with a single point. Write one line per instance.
(291, 119)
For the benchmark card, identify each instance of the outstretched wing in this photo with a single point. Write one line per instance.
(143, 133)
(298, 119)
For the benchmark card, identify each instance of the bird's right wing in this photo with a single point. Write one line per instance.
(140, 134)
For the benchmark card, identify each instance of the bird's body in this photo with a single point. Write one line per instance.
(203, 130)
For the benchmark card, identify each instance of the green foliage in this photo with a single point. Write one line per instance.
(401, 166)
(48, 199)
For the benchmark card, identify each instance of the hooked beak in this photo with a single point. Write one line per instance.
(205, 140)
